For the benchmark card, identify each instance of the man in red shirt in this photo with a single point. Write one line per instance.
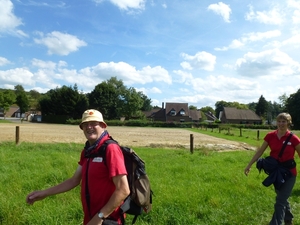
(104, 185)
(275, 140)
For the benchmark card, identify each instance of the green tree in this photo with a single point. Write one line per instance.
(292, 106)
(207, 110)
(21, 100)
(34, 97)
(220, 107)
(252, 106)
(106, 98)
(132, 104)
(146, 102)
(193, 107)
(19, 89)
(262, 107)
(283, 101)
(65, 101)
(7, 98)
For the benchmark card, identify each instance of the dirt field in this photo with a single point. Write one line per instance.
(129, 136)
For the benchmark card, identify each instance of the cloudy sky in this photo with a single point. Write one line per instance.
(196, 52)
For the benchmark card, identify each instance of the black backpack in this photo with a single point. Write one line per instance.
(140, 198)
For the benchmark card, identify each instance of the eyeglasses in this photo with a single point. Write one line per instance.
(90, 124)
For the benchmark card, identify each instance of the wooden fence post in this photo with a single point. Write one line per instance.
(192, 143)
(241, 132)
(17, 134)
(257, 134)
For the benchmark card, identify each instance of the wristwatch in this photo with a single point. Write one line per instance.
(101, 216)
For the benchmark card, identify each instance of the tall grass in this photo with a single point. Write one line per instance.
(189, 189)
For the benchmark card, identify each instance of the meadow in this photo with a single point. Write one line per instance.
(206, 187)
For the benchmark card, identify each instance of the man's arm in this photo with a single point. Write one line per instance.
(121, 192)
(60, 188)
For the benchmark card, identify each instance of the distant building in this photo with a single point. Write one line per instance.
(174, 112)
(239, 116)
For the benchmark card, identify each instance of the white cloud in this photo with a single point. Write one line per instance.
(130, 74)
(4, 61)
(49, 65)
(249, 38)
(267, 63)
(8, 21)
(60, 43)
(201, 60)
(294, 4)
(273, 16)
(185, 77)
(222, 10)
(153, 90)
(126, 4)
(207, 91)
(296, 17)
(17, 76)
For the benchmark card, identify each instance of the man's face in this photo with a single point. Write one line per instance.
(92, 130)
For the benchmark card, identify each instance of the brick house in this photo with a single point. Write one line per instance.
(174, 112)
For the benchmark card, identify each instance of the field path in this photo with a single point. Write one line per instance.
(129, 136)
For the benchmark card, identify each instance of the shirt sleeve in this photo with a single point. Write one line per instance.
(80, 162)
(115, 161)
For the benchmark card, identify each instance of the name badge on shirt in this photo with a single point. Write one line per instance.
(289, 143)
(98, 159)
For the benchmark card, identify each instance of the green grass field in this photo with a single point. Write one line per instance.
(203, 188)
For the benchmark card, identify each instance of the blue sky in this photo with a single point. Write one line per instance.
(196, 52)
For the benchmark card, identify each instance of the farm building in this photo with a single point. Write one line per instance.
(239, 116)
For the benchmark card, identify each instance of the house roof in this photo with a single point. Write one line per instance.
(152, 112)
(195, 114)
(177, 107)
(240, 114)
(12, 110)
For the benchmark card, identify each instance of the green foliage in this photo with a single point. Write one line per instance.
(114, 100)
(7, 98)
(105, 98)
(64, 101)
(196, 189)
(132, 103)
(261, 107)
(23, 102)
(292, 106)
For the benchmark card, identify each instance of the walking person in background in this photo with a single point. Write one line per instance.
(274, 140)
(104, 186)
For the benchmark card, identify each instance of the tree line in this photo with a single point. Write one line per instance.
(111, 97)
(115, 100)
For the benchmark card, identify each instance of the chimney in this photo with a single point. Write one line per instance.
(162, 105)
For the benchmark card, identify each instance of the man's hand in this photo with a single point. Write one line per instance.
(95, 220)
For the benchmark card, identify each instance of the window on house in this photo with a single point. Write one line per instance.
(182, 112)
(181, 120)
(173, 112)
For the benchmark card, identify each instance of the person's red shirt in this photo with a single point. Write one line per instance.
(275, 144)
(100, 183)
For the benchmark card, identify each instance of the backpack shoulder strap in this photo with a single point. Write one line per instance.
(102, 149)
(284, 144)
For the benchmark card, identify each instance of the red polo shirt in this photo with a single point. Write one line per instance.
(275, 144)
(100, 175)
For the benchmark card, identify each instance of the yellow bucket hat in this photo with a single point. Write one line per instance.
(92, 115)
